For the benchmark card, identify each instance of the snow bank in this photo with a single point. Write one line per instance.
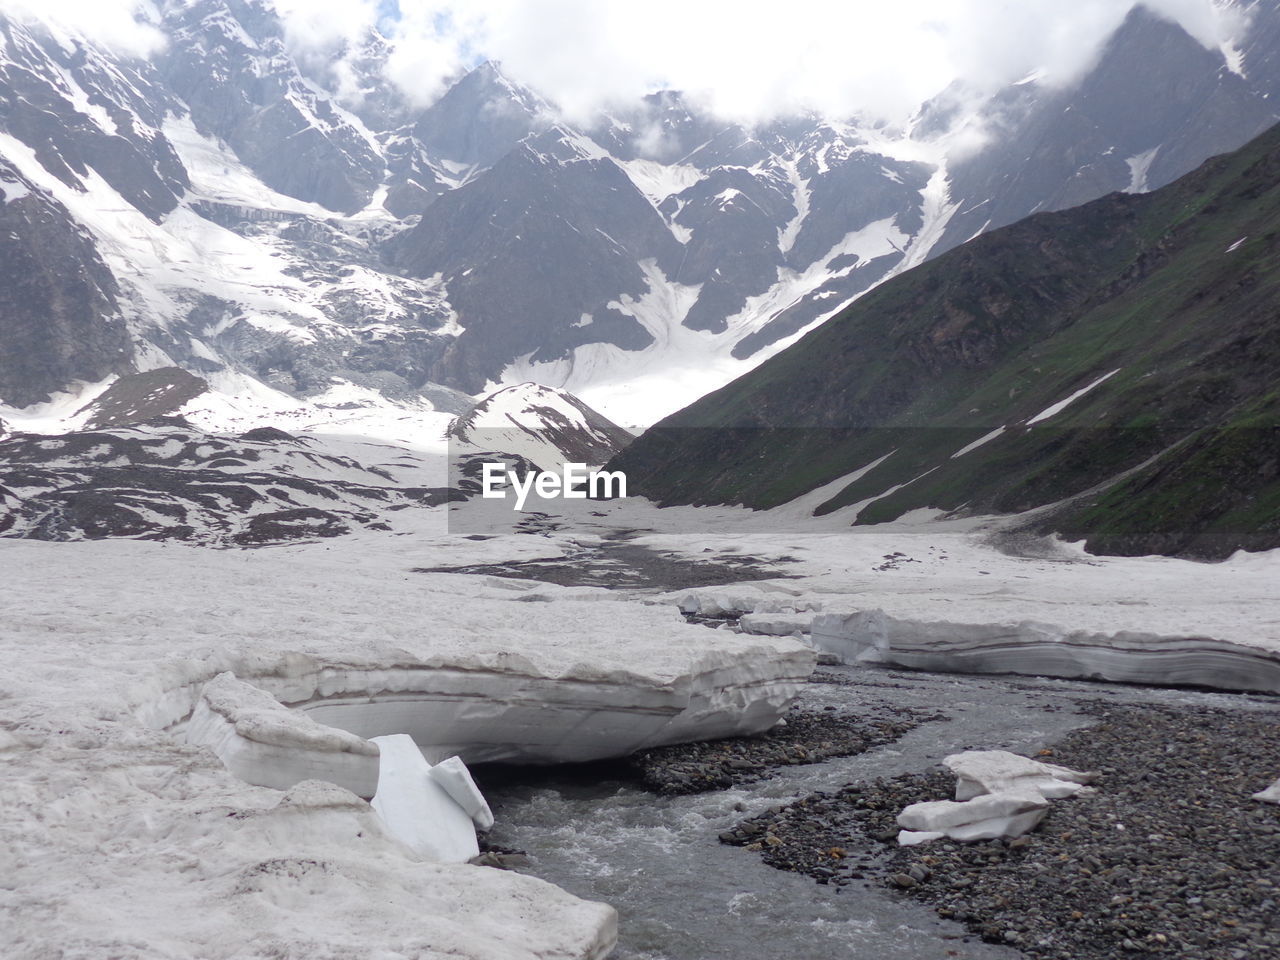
(738, 599)
(1046, 649)
(264, 743)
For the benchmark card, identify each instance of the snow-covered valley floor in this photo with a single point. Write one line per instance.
(119, 839)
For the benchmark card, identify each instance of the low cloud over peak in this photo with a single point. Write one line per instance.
(745, 60)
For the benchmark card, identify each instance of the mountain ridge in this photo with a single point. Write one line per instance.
(270, 236)
(1087, 359)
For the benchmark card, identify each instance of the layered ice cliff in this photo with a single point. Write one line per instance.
(1046, 649)
(264, 743)
(943, 601)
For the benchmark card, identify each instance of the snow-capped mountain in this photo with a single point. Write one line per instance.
(1106, 373)
(545, 426)
(157, 456)
(167, 480)
(227, 208)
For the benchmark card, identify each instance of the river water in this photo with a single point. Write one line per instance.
(682, 895)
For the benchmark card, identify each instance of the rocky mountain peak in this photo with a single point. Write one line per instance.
(481, 118)
(549, 427)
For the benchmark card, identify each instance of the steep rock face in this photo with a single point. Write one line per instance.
(1260, 55)
(737, 208)
(59, 318)
(863, 217)
(480, 119)
(662, 127)
(80, 110)
(520, 254)
(228, 64)
(1111, 361)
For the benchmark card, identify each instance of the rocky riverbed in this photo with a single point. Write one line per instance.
(729, 872)
(1170, 858)
(806, 736)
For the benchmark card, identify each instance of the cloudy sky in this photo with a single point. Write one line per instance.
(746, 59)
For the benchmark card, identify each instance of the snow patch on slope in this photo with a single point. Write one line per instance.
(657, 181)
(1139, 168)
(1057, 408)
(787, 234)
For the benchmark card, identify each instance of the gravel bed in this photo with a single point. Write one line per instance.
(806, 737)
(1171, 858)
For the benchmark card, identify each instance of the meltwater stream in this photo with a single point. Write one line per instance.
(682, 895)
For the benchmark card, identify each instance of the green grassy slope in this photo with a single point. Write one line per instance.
(1177, 452)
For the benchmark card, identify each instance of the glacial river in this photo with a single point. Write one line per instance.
(682, 895)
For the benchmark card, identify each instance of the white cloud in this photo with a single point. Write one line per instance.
(745, 59)
(124, 25)
(748, 59)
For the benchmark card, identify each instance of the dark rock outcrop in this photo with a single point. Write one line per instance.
(139, 397)
(60, 321)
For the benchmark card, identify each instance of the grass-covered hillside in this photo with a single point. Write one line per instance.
(1172, 296)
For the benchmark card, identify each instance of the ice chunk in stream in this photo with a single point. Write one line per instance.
(1269, 795)
(998, 794)
(912, 838)
(453, 775)
(417, 809)
(981, 772)
(1009, 814)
